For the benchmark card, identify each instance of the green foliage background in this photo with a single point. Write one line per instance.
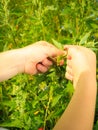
(31, 102)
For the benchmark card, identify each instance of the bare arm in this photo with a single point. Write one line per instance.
(11, 63)
(79, 114)
(30, 59)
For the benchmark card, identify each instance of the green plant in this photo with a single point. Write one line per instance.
(32, 102)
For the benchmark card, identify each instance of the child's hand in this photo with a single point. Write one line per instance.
(36, 57)
(79, 60)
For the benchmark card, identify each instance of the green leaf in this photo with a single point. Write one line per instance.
(69, 89)
(55, 100)
(85, 38)
(57, 44)
(15, 123)
(9, 103)
(96, 126)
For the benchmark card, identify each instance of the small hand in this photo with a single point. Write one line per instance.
(79, 60)
(36, 57)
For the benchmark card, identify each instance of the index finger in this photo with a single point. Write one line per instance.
(53, 51)
(50, 49)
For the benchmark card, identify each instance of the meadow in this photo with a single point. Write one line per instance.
(36, 102)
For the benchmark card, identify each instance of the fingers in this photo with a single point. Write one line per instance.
(69, 70)
(68, 76)
(51, 50)
(69, 63)
(47, 62)
(41, 68)
(69, 73)
(44, 65)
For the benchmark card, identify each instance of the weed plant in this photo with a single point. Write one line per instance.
(31, 102)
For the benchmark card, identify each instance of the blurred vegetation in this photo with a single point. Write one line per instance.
(32, 102)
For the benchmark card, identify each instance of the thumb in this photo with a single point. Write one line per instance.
(54, 52)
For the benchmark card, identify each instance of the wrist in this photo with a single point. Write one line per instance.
(20, 60)
(85, 77)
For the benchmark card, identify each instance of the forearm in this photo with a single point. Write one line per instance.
(11, 63)
(79, 114)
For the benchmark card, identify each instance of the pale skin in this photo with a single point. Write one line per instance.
(81, 70)
(31, 59)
